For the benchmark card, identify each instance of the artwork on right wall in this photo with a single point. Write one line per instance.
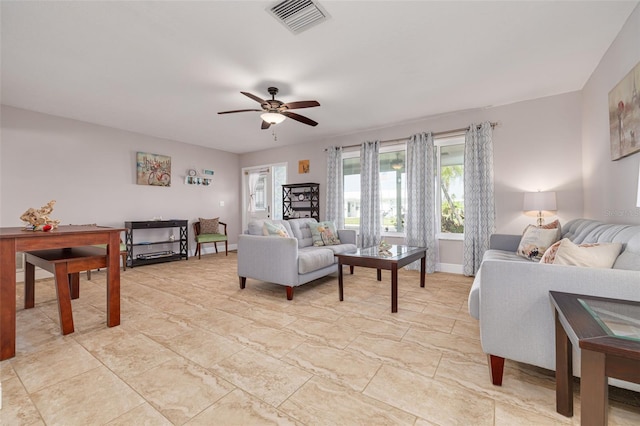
(624, 115)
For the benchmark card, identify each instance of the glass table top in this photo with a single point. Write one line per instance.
(616, 318)
(391, 252)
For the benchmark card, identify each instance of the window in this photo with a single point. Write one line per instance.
(393, 189)
(450, 180)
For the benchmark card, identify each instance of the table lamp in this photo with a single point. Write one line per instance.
(540, 202)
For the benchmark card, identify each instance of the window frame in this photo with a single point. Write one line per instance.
(438, 144)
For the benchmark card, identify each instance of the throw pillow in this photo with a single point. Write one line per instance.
(535, 242)
(550, 255)
(553, 225)
(602, 255)
(275, 229)
(209, 226)
(324, 234)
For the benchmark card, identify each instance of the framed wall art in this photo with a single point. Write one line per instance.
(153, 169)
(624, 115)
(303, 166)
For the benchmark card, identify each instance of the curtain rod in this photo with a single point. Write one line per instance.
(443, 133)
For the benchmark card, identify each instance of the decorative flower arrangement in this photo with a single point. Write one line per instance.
(39, 220)
(383, 248)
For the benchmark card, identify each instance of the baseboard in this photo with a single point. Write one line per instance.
(452, 268)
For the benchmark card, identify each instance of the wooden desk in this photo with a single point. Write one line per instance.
(13, 240)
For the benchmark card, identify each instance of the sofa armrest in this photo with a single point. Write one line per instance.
(347, 236)
(270, 259)
(504, 242)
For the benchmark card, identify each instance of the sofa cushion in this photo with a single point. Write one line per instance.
(301, 230)
(535, 241)
(597, 255)
(324, 234)
(342, 248)
(209, 226)
(313, 258)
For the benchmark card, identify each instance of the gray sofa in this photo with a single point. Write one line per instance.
(288, 261)
(510, 295)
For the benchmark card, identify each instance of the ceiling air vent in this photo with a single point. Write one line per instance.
(298, 15)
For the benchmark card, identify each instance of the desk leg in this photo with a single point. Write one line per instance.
(394, 287)
(340, 294)
(74, 285)
(423, 264)
(113, 280)
(564, 371)
(594, 390)
(64, 298)
(7, 298)
(379, 275)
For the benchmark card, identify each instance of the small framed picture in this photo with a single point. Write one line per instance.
(303, 166)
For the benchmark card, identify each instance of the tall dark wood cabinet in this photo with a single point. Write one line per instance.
(301, 200)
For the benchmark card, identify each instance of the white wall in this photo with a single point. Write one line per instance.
(610, 187)
(90, 171)
(536, 146)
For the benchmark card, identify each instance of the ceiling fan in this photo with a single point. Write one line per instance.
(276, 111)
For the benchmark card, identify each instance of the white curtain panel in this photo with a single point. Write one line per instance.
(420, 223)
(369, 194)
(335, 190)
(479, 204)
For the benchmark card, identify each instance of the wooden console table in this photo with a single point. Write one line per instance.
(16, 239)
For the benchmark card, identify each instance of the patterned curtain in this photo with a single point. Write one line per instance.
(420, 217)
(479, 206)
(335, 189)
(369, 194)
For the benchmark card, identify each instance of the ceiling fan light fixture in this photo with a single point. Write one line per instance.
(272, 117)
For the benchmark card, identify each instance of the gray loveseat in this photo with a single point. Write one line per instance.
(288, 261)
(510, 295)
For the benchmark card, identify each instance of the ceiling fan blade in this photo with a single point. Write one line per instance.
(265, 125)
(238, 110)
(254, 97)
(301, 104)
(300, 118)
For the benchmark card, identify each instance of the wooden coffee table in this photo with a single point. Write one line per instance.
(371, 258)
(608, 334)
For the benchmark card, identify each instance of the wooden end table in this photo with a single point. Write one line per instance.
(370, 258)
(608, 334)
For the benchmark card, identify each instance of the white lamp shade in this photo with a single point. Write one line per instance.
(539, 201)
(272, 117)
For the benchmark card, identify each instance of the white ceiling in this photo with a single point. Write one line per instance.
(166, 68)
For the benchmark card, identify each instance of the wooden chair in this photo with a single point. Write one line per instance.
(210, 238)
(66, 265)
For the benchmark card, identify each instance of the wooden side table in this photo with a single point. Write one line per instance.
(608, 334)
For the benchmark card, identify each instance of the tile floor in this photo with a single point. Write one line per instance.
(195, 349)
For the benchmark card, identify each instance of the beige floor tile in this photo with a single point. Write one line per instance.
(508, 415)
(428, 399)
(345, 367)
(53, 364)
(405, 355)
(322, 402)
(265, 377)
(179, 389)
(275, 342)
(17, 407)
(240, 408)
(93, 397)
(202, 347)
(334, 334)
(143, 414)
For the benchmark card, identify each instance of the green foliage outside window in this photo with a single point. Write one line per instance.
(452, 214)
